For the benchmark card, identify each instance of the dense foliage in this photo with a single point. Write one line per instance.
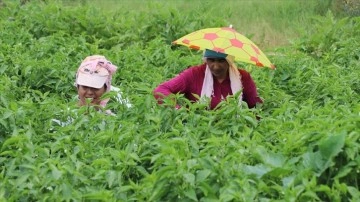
(305, 147)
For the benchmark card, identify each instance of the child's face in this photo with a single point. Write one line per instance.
(94, 94)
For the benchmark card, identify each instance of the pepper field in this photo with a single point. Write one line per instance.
(305, 147)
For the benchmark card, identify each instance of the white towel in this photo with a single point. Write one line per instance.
(207, 90)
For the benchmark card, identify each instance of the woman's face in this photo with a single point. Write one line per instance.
(93, 94)
(218, 66)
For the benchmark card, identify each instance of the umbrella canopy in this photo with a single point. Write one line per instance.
(226, 40)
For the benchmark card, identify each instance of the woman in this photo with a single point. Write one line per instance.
(216, 78)
(93, 79)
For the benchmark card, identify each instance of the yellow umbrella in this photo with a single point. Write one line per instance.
(226, 40)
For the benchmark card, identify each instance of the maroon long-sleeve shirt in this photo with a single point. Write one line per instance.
(190, 82)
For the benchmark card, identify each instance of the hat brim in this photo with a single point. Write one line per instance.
(93, 81)
(213, 54)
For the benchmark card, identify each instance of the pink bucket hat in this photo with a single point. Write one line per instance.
(95, 71)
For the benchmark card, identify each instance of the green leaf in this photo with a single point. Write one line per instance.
(66, 190)
(314, 161)
(190, 193)
(332, 145)
(13, 140)
(7, 114)
(344, 171)
(99, 195)
(206, 188)
(189, 178)
(111, 177)
(56, 173)
(158, 190)
(258, 170)
(201, 175)
(354, 192)
(288, 181)
(270, 158)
